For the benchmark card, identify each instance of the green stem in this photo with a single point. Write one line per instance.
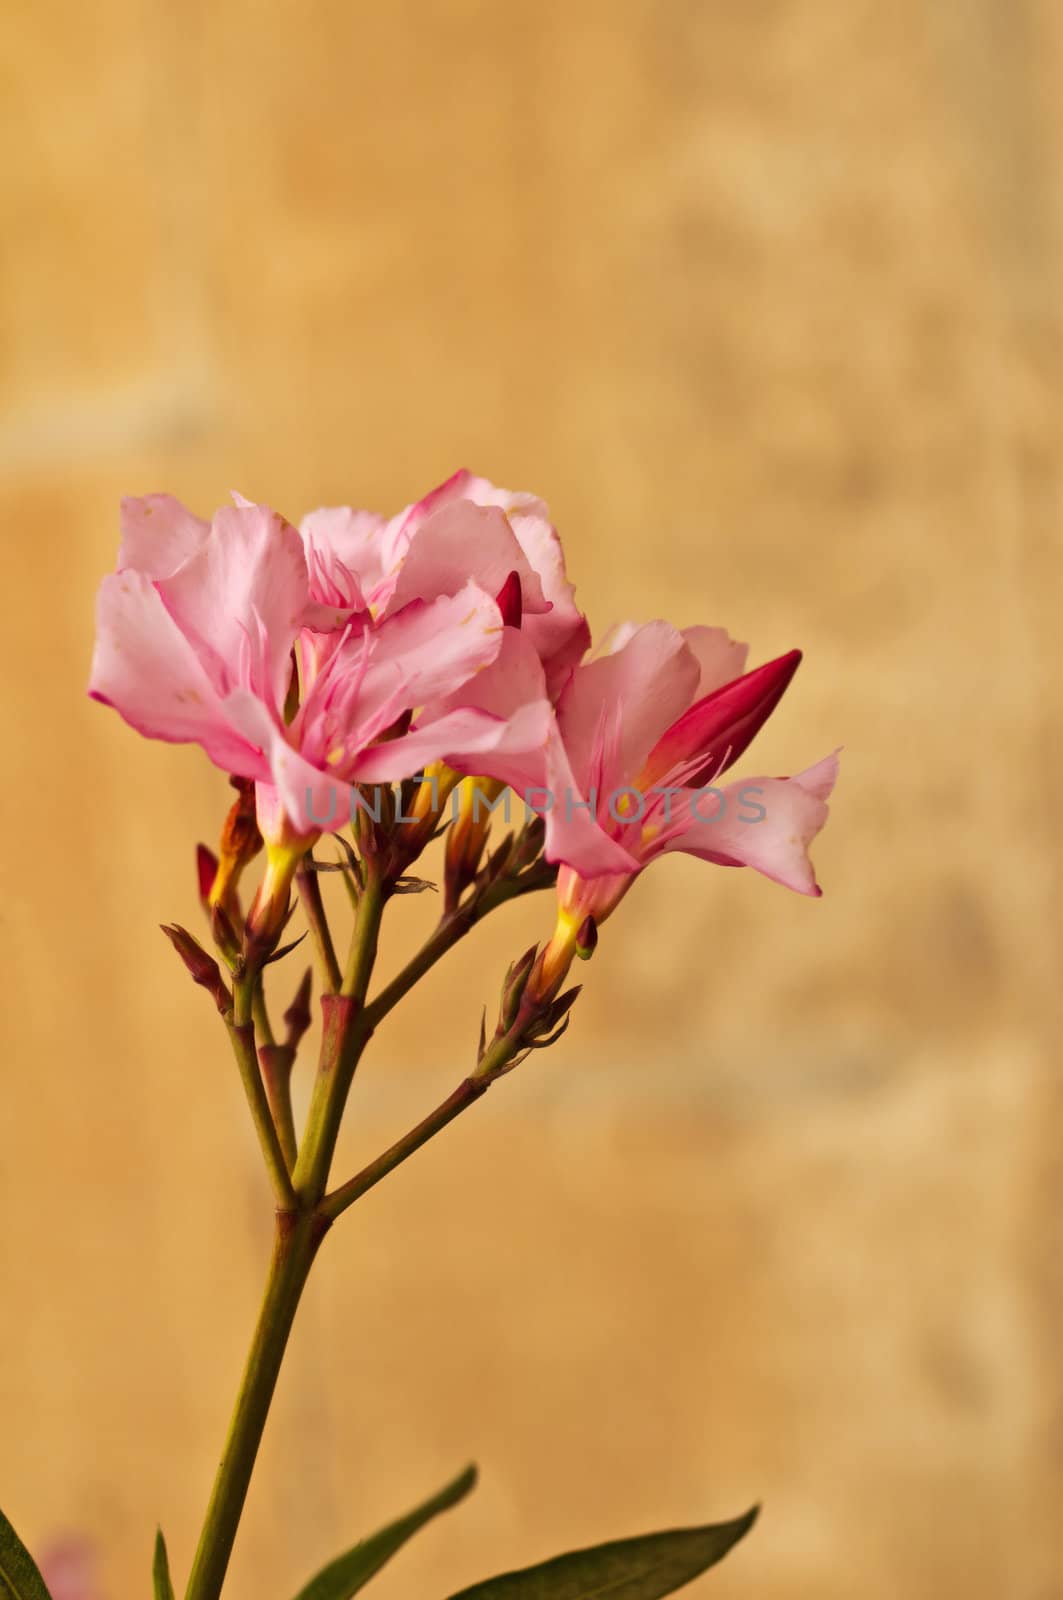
(295, 1245)
(276, 1061)
(304, 1215)
(242, 1034)
(464, 1096)
(314, 911)
(451, 928)
(347, 1031)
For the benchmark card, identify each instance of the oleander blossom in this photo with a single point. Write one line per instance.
(629, 772)
(359, 649)
(197, 628)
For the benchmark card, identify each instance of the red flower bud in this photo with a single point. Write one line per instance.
(203, 967)
(510, 601)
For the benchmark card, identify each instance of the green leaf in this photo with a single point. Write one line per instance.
(160, 1569)
(349, 1573)
(19, 1578)
(628, 1569)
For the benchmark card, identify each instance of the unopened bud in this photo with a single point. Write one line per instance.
(587, 939)
(206, 871)
(273, 903)
(513, 987)
(510, 601)
(224, 934)
(474, 806)
(240, 843)
(203, 968)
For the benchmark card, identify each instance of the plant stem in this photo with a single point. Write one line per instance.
(467, 1092)
(276, 1062)
(452, 927)
(314, 911)
(242, 1034)
(295, 1245)
(346, 1033)
(304, 1214)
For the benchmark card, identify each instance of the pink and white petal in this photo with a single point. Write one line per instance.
(459, 542)
(240, 600)
(561, 635)
(640, 689)
(146, 669)
(615, 637)
(472, 741)
(514, 678)
(820, 779)
(720, 657)
(573, 836)
(763, 823)
(314, 799)
(424, 652)
(456, 487)
(158, 534)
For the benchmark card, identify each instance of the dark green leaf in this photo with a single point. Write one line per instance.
(348, 1573)
(160, 1570)
(19, 1578)
(629, 1569)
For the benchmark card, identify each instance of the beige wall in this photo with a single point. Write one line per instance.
(764, 297)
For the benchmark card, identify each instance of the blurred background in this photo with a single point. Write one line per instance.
(764, 299)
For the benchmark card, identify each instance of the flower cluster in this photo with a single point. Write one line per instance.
(445, 645)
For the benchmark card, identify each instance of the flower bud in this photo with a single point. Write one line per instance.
(240, 843)
(474, 806)
(510, 601)
(587, 938)
(272, 904)
(203, 968)
(513, 987)
(206, 872)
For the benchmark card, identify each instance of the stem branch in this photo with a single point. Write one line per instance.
(467, 1092)
(242, 1034)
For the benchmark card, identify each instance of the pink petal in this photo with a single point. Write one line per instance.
(458, 542)
(573, 836)
(640, 689)
(240, 600)
(560, 635)
(470, 740)
(146, 669)
(776, 843)
(421, 654)
(431, 649)
(456, 487)
(720, 657)
(158, 534)
(312, 798)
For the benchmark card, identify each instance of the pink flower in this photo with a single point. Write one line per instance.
(629, 771)
(195, 642)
